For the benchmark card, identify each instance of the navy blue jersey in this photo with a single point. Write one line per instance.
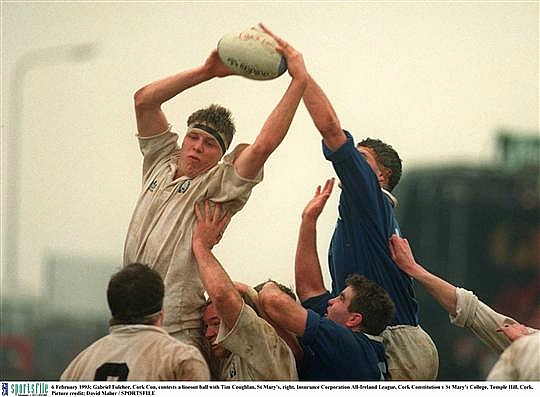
(333, 352)
(361, 236)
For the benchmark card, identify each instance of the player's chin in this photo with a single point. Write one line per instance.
(218, 351)
(193, 170)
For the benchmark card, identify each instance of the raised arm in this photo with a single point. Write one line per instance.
(150, 118)
(251, 160)
(282, 310)
(441, 290)
(494, 329)
(323, 115)
(307, 268)
(220, 288)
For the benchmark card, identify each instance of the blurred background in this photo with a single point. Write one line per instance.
(454, 87)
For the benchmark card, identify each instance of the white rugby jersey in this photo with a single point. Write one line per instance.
(257, 352)
(137, 353)
(482, 320)
(161, 227)
(520, 361)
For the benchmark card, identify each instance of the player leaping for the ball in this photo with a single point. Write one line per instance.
(176, 177)
(368, 172)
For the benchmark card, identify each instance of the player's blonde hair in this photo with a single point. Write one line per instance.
(217, 118)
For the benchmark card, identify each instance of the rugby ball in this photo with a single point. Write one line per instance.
(252, 53)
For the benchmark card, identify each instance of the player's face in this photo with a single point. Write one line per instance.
(371, 159)
(211, 329)
(338, 307)
(200, 152)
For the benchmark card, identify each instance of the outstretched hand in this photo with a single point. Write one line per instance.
(216, 67)
(210, 224)
(295, 60)
(315, 206)
(513, 331)
(402, 255)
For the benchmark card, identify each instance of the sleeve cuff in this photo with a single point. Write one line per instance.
(312, 325)
(341, 153)
(466, 303)
(169, 129)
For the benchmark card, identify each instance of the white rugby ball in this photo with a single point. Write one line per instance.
(252, 54)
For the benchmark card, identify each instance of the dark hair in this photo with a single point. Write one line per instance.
(373, 302)
(387, 156)
(135, 295)
(282, 287)
(216, 117)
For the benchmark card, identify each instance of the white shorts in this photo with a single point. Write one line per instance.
(410, 353)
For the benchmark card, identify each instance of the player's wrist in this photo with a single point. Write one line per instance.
(309, 219)
(199, 244)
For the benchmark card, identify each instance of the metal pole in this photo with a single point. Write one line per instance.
(12, 149)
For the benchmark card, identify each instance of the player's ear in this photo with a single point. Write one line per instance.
(385, 173)
(354, 320)
(159, 319)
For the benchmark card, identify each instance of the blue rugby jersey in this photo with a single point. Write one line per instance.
(332, 352)
(361, 236)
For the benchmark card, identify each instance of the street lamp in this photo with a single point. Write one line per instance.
(12, 148)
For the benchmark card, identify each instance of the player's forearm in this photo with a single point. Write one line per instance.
(271, 301)
(307, 269)
(218, 285)
(250, 161)
(282, 310)
(323, 114)
(278, 122)
(160, 91)
(443, 292)
(150, 118)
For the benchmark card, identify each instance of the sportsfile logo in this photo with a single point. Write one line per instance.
(25, 389)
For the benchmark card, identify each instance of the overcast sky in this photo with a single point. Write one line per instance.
(435, 80)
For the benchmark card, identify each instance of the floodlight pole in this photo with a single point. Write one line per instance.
(11, 151)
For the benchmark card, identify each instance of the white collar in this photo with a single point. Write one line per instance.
(375, 338)
(392, 199)
(390, 196)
